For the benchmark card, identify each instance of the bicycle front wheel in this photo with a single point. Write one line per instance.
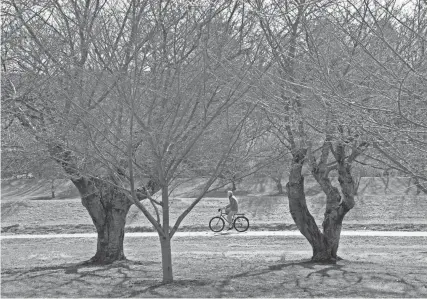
(241, 224)
(216, 224)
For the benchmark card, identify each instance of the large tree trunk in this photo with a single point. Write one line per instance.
(299, 211)
(324, 245)
(336, 205)
(108, 207)
(332, 222)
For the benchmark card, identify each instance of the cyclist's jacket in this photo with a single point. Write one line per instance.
(233, 204)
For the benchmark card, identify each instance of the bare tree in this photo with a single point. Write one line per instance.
(55, 80)
(307, 77)
(150, 93)
(390, 80)
(189, 111)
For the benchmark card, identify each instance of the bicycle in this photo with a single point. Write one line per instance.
(240, 222)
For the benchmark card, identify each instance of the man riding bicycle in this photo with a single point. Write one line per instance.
(240, 223)
(231, 209)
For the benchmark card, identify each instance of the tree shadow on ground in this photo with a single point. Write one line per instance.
(303, 278)
(125, 278)
(74, 267)
(297, 278)
(59, 280)
(176, 285)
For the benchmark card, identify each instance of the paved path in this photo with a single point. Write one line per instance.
(211, 234)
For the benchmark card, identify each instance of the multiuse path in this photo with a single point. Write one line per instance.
(211, 234)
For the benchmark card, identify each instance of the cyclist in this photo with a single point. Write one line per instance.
(231, 208)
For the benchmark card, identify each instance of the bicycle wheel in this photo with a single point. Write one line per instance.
(241, 224)
(216, 224)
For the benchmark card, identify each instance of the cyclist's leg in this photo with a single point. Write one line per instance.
(230, 218)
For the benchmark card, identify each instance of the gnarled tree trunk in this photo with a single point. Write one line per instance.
(298, 205)
(108, 207)
(324, 245)
(332, 222)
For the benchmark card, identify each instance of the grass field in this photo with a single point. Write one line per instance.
(25, 209)
(216, 266)
(219, 266)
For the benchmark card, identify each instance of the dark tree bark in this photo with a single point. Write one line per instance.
(298, 206)
(333, 217)
(324, 245)
(108, 207)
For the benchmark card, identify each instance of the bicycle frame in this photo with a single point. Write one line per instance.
(224, 215)
(238, 221)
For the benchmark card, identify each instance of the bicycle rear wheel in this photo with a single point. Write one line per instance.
(216, 224)
(241, 224)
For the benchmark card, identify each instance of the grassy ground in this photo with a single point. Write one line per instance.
(397, 208)
(220, 266)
